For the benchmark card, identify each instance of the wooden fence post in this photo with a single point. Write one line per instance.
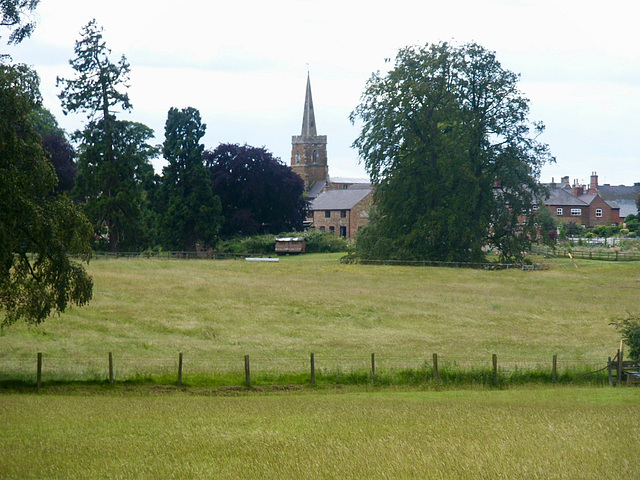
(619, 374)
(554, 371)
(373, 366)
(180, 369)
(313, 369)
(247, 371)
(39, 371)
(609, 365)
(436, 375)
(494, 360)
(110, 368)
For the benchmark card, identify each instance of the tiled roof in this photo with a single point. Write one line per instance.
(563, 197)
(339, 199)
(315, 189)
(622, 196)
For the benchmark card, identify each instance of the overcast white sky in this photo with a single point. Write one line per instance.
(243, 64)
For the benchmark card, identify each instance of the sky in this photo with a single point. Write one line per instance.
(244, 65)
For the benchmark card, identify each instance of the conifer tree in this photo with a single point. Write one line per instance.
(113, 154)
(190, 212)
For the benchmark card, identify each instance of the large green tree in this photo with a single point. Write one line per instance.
(38, 228)
(447, 143)
(113, 155)
(190, 212)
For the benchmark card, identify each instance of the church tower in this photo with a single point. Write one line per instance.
(309, 150)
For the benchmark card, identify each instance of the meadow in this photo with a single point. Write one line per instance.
(525, 433)
(146, 311)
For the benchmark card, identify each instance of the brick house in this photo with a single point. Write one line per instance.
(571, 204)
(342, 212)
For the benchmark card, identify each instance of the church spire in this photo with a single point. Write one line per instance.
(308, 119)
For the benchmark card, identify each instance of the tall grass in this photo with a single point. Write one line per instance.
(145, 311)
(536, 433)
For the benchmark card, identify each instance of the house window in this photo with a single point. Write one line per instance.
(535, 207)
(343, 214)
(322, 229)
(559, 211)
(576, 212)
(598, 213)
(327, 214)
(332, 229)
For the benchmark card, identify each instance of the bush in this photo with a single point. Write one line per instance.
(630, 329)
(323, 242)
(263, 244)
(317, 242)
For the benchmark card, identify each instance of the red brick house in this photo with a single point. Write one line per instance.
(571, 204)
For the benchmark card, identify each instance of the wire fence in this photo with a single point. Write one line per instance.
(177, 255)
(433, 263)
(587, 254)
(42, 367)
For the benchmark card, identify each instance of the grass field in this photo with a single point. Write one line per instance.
(540, 433)
(148, 310)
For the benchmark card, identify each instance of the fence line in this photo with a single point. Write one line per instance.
(114, 367)
(588, 254)
(434, 263)
(176, 255)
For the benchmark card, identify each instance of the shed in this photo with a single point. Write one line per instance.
(291, 245)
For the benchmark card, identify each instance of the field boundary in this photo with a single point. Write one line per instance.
(248, 371)
(434, 263)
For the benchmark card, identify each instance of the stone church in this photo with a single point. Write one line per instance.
(339, 205)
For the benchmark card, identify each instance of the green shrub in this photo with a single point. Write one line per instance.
(258, 244)
(630, 329)
(323, 242)
(317, 242)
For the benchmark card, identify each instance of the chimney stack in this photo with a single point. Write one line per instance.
(577, 189)
(593, 185)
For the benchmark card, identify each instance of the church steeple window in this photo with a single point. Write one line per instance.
(314, 156)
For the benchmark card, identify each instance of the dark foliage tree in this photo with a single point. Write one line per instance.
(38, 229)
(189, 211)
(259, 194)
(60, 151)
(114, 155)
(62, 157)
(446, 140)
(16, 16)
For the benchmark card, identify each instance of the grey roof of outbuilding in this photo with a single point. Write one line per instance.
(350, 180)
(339, 199)
(621, 196)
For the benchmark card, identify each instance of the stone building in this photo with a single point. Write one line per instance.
(309, 151)
(339, 205)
